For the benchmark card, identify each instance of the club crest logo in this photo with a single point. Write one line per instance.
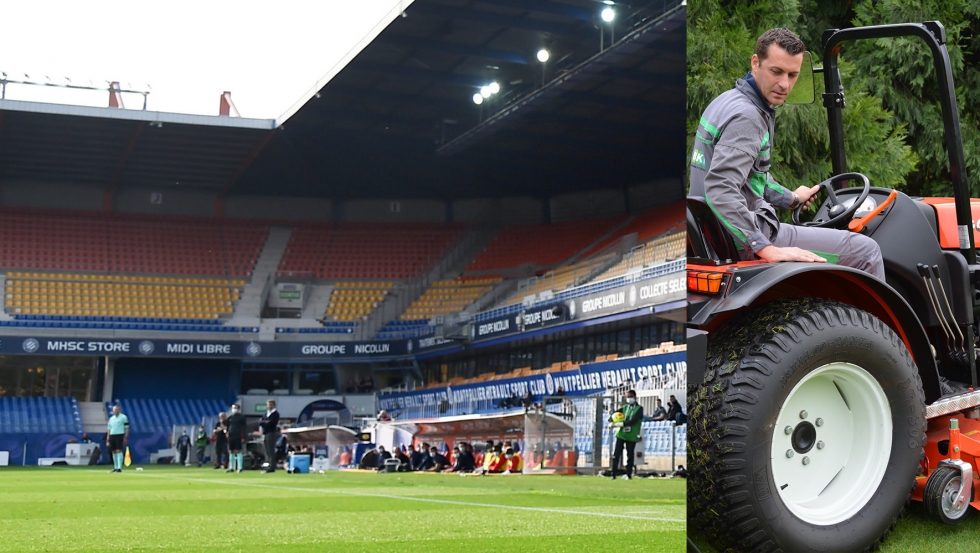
(31, 345)
(253, 349)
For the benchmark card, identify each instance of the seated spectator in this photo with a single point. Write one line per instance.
(452, 459)
(491, 457)
(500, 461)
(659, 414)
(512, 401)
(466, 462)
(425, 459)
(674, 411)
(515, 463)
(439, 461)
(383, 415)
(418, 455)
(528, 401)
(382, 457)
(403, 459)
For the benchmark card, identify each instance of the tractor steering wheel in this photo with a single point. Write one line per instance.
(840, 214)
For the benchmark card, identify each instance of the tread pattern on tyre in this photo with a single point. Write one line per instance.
(718, 419)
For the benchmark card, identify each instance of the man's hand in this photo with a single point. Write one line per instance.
(772, 254)
(807, 195)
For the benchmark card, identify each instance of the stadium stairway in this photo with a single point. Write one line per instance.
(253, 296)
(94, 417)
(474, 241)
(317, 301)
(3, 300)
(612, 232)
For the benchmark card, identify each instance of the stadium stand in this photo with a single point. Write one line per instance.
(448, 296)
(562, 277)
(73, 294)
(661, 249)
(39, 415)
(649, 224)
(541, 246)
(367, 250)
(355, 300)
(120, 243)
(160, 415)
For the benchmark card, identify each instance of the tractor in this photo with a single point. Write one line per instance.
(822, 399)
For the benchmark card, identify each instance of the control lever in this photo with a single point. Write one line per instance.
(931, 292)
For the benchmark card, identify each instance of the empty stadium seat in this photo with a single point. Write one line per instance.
(539, 245)
(367, 250)
(130, 302)
(448, 296)
(39, 415)
(128, 243)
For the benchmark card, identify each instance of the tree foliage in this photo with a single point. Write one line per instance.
(892, 123)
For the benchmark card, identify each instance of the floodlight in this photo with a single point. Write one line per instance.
(485, 91)
(477, 98)
(608, 15)
(544, 55)
(494, 87)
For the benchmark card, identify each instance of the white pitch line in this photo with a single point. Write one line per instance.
(421, 499)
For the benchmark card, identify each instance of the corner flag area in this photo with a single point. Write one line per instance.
(164, 508)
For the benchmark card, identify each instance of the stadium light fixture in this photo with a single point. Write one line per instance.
(544, 55)
(477, 98)
(608, 15)
(494, 87)
(485, 91)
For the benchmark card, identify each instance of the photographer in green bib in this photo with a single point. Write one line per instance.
(627, 419)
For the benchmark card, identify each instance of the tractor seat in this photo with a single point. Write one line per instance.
(708, 243)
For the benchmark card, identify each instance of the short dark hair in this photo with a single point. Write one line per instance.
(784, 38)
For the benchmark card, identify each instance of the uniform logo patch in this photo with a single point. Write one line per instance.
(697, 158)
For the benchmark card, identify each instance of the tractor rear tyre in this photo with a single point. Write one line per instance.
(941, 490)
(806, 432)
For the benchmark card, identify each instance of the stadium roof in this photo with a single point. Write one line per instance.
(400, 121)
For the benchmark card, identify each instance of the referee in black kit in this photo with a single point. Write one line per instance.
(270, 430)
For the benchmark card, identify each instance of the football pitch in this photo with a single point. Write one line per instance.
(168, 508)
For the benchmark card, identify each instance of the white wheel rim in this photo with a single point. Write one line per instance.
(844, 467)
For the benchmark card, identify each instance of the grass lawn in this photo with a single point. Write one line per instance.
(165, 508)
(918, 532)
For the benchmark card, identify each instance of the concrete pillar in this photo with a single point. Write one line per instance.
(110, 371)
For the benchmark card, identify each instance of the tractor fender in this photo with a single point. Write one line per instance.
(762, 283)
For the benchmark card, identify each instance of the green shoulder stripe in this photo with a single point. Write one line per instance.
(710, 128)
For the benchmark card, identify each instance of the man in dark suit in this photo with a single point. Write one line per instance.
(270, 430)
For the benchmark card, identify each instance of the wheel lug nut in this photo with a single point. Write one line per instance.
(789, 453)
(802, 414)
(819, 421)
(820, 445)
(788, 430)
(806, 460)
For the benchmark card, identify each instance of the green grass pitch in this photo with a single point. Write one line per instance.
(917, 532)
(166, 508)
